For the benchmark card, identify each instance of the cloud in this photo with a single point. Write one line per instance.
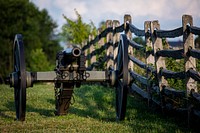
(68, 7)
(169, 13)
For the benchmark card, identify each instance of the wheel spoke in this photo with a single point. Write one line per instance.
(16, 69)
(16, 61)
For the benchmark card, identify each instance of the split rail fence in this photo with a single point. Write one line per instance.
(152, 84)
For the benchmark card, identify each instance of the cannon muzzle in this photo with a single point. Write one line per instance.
(68, 58)
(73, 52)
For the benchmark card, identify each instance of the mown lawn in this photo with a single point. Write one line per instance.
(92, 111)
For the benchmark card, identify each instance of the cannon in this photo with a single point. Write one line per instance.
(70, 71)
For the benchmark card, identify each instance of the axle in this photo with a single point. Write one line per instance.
(67, 76)
(51, 76)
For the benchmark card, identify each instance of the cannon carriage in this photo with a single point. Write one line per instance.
(70, 71)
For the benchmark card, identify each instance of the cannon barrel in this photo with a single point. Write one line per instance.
(69, 57)
(72, 52)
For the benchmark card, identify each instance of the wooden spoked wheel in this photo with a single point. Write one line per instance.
(122, 77)
(20, 78)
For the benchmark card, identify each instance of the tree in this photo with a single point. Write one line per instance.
(197, 42)
(50, 42)
(102, 25)
(76, 31)
(22, 16)
(139, 53)
(39, 61)
(139, 40)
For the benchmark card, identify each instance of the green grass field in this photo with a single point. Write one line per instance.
(93, 110)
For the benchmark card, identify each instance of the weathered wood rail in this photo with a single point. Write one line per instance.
(156, 89)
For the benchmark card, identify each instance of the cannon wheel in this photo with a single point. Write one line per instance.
(20, 69)
(122, 78)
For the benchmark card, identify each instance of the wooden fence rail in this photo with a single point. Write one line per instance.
(157, 88)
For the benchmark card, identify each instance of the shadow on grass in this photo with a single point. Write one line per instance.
(11, 107)
(94, 101)
(41, 111)
(141, 117)
(99, 103)
(4, 115)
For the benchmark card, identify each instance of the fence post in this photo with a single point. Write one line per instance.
(93, 58)
(116, 38)
(159, 61)
(101, 41)
(128, 19)
(190, 62)
(149, 57)
(109, 41)
(86, 53)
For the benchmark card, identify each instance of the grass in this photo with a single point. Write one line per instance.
(92, 111)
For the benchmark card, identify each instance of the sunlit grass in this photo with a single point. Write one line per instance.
(93, 110)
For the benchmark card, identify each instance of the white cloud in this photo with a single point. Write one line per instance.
(68, 7)
(168, 12)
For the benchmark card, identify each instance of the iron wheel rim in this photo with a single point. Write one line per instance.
(20, 69)
(122, 78)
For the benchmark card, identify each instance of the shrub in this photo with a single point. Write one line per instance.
(38, 61)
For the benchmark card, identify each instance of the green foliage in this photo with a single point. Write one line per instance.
(39, 61)
(139, 40)
(102, 25)
(165, 44)
(22, 16)
(171, 64)
(51, 49)
(76, 31)
(175, 66)
(197, 42)
(139, 54)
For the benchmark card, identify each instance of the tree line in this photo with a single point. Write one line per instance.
(23, 17)
(41, 42)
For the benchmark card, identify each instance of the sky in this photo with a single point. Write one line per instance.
(167, 12)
